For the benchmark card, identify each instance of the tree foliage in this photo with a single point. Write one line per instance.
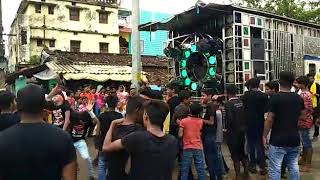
(308, 11)
(34, 60)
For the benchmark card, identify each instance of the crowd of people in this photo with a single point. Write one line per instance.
(140, 135)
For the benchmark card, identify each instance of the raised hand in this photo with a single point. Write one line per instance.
(90, 105)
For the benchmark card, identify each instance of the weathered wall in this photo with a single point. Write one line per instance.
(60, 28)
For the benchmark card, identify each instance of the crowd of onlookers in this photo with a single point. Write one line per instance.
(140, 134)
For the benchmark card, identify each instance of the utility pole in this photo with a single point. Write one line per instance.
(2, 53)
(136, 58)
(1, 35)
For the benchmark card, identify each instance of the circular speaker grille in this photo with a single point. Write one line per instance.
(197, 66)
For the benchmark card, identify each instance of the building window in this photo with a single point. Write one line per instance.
(103, 17)
(39, 42)
(51, 10)
(74, 14)
(141, 46)
(52, 43)
(104, 47)
(24, 37)
(38, 8)
(104, 36)
(75, 46)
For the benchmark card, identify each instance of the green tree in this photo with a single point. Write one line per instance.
(308, 11)
(35, 60)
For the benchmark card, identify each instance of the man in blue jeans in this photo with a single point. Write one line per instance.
(105, 120)
(79, 125)
(284, 110)
(213, 155)
(255, 103)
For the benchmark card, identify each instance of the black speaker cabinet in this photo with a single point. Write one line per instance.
(257, 49)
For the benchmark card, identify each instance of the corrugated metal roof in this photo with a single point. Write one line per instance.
(156, 68)
(106, 58)
(86, 67)
(94, 71)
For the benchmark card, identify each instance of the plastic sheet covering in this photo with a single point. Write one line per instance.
(46, 75)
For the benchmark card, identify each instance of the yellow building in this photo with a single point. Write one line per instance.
(66, 25)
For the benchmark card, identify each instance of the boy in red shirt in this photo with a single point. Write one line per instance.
(190, 131)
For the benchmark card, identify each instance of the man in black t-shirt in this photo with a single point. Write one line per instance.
(152, 152)
(183, 109)
(284, 111)
(117, 160)
(272, 87)
(236, 129)
(60, 108)
(173, 102)
(213, 158)
(7, 108)
(33, 149)
(61, 112)
(80, 122)
(255, 103)
(105, 121)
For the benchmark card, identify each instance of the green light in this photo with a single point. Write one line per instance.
(187, 82)
(193, 48)
(187, 54)
(194, 86)
(212, 60)
(183, 63)
(184, 73)
(212, 71)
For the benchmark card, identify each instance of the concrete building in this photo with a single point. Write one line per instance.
(74, 26)
(151, 43)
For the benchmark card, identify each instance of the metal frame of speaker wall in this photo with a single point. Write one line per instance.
(229, 62)
(239, 65)
(233, 65)
(268, 37)
(171, 62)
(250, 21)
(299, 38)
(224, 54)
(238, 51)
